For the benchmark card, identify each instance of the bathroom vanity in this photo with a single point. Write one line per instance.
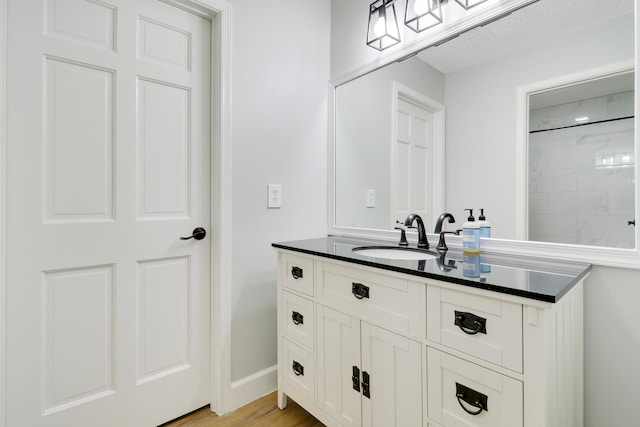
(366, 341)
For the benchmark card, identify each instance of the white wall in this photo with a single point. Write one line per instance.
(348, 36)
(612, 338)
(280, 69)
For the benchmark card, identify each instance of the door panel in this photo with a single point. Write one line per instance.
(394, 364)
(338, 353)
(97, 28)
(164, 45)
(108, 153)
(163, 149)
(77, 369)
(163, 289)
(78, 115)
(413, 152)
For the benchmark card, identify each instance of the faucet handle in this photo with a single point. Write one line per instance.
(442, 245)
(403, 237)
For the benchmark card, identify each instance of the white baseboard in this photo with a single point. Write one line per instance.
(254, 386)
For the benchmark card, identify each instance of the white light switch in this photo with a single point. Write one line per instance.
(371, 198)
(274, 196)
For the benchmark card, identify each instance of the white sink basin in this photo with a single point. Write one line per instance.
(394, 252)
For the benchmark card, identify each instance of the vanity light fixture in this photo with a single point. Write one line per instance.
(420, 15)
(383, 31)
(468, 4)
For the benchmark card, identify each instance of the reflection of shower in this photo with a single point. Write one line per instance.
(582, 172)
(614, 159)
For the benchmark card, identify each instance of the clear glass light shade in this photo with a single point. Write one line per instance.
(422, 14)
(383, 31)
(468, 4)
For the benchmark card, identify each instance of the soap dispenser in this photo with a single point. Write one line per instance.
(471, 234)
(485, 226)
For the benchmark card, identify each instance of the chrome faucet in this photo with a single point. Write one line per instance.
(441, 219)
(422, 235)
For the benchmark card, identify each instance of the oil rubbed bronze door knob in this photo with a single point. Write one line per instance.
(198, 233)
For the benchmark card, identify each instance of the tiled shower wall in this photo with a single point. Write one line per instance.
(581, 178)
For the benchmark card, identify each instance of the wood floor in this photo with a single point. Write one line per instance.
(261, 413)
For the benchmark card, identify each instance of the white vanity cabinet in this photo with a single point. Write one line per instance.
(367, 375)
(366, 346)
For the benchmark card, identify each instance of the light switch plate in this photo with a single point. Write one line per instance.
(371, 198)
(274, 196)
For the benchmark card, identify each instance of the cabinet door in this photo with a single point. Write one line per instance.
(337, 355)
(394, 366)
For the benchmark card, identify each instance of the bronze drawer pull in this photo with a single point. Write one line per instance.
(366, 392)
(470, 324)
(298, 319)
(471, 397)
(296, 272)
(355, 378)
(359, 290)
(298, 369)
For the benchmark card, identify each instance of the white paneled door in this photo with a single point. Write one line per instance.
(108, 130)
(413, 152)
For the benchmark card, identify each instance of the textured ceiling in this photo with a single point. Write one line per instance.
(534, 24)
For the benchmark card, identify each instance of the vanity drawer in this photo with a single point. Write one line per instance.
(455, 387)
(297, 273)
(483, 327)
(395, 303)
(298, 320)
(299, 369)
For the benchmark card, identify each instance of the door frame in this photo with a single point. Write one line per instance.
(219, 12)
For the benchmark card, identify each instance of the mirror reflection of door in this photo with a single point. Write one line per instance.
(581, 163)
(417, 149)
(413, 158)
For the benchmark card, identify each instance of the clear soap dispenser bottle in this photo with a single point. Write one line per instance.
(485, 226)
(471, 234)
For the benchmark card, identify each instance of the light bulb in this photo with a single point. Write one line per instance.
(380, 29)
(420, 7)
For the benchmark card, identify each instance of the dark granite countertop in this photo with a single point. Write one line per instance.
(531, 278)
